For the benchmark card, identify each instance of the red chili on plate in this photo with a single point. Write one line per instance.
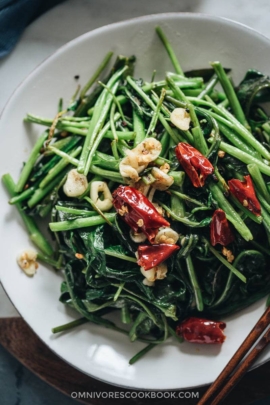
(152, 255)
(199, 330)
(245, 193)
(137, 211)
(220, 230)
(197, 166)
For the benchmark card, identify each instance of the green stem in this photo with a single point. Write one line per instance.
(230, 93)
(139, 355)
(70, 325)
(102, 107)
(120, 256)
(30, 162)
(209, 87)
(48, 260)
(127, 136)
(154, 119)
(246, 135)
(225, 262)
(165, 140)
(68, 158)
(248, 213)
(118, 292)
(244, 157)
(22, 196)
(184, 220)
(259, 181)
(96, 74)
(40, 193)
(236, 141)
(96, 143)
(195, 284)
(58, 168)
(187, 198)
(125, 314)
(80, 223)
(139, 128)
(107, 174)
(74, 211)
(198, 138)
(35, 235)
(231, 214)
(98, 134)
(140, 318)
(170, 51)
(173, 134)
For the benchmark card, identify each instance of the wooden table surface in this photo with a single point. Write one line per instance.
(17, 337)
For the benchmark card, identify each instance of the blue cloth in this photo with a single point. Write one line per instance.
(15, 15)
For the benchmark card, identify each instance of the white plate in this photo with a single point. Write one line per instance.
(98, 352)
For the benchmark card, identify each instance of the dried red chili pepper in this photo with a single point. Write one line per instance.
(137, 211)
(245, 193)
(220, 230)
(198, 330)
(197, 166)
(152, 255)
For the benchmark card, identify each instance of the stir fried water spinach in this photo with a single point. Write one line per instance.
(157, 195)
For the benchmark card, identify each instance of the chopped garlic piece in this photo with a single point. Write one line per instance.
(148, 283)
(165, 168)
(27, 261)
(137, 237)
(76, 184)
(180, 118)
(166, 235)
(228, 254)
(156, 273)
(98, 187)
(140, 222)
(129, 166)
(137, 159)
(163, 180)
(221, 154)
(148, 150)
(159, 209)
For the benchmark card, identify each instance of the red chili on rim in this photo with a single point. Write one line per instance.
(199, 330)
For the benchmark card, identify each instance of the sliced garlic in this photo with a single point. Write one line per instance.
(98, 187)
(27, 260)
(180, 118)
(166, 235)
(148, 150)
(150, 274)
(137, 159)
(159, 209)
(156, 273)
(161, 271)
(163, 180)
(76, 184)
(165, 168)
(129, 166)
(137, 237)
(148, 283)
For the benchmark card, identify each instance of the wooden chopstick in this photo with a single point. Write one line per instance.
(244, 366)
(255, 333)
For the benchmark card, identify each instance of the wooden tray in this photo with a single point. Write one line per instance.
(17, 337)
